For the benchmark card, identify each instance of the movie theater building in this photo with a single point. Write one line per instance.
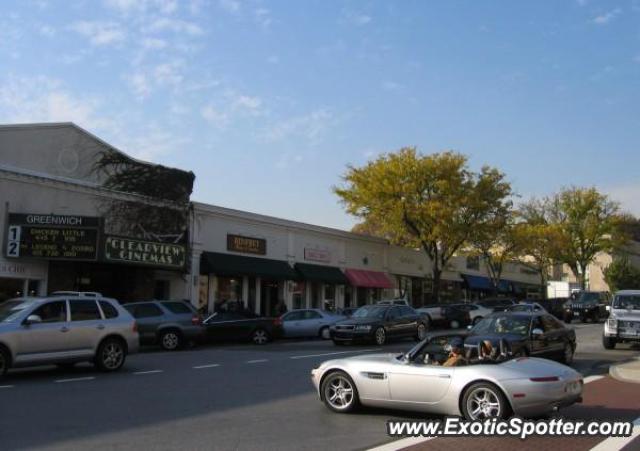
(263, 261)
(65, 225)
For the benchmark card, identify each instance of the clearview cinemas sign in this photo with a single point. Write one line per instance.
(119, 249)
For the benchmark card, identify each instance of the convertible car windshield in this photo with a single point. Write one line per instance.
(503, 324)
(627, 302)
(370, 312)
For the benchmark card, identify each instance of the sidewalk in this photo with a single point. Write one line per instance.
(626, 372)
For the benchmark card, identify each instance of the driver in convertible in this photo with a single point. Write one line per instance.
(455, 356)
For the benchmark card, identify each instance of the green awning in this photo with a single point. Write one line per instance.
(324, 274)
(239, 265)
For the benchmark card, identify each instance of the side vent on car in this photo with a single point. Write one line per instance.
(375, 375)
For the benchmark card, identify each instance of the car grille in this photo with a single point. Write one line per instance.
(344, 327)
(630, 324)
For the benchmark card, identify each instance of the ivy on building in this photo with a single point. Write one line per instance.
(163, 216)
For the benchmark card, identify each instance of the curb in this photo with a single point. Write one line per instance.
(626, 372)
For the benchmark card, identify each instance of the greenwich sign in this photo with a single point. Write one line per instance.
(119, 249)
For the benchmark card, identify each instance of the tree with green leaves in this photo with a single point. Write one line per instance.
(587, 223)
(539, 239)
(497, 241)
(622, 275)
(432, 202)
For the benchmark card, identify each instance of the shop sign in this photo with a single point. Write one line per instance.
(12, 269)
(52, 237)
(119, 249)
(247, 245)
(317, 255)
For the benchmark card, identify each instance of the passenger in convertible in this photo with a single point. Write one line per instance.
(455, 355)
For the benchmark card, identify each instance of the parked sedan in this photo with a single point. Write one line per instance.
(536, 334)
(497, 305)
(241, 326)
(379, 323)
(476, 311)
(308, 323)
(526, 307)
(171, 324)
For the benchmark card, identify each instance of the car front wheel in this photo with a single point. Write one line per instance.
(421, 332)
(111, 355)
(608, 342)
(4, 362)
(339, 393)
(567, 354)
(325, 334)
(476, 320)
(380, 336)
(482, 401)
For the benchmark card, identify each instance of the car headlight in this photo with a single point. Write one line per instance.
(612, 323)
(363, 328)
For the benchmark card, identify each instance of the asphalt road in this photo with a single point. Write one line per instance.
(217, 397)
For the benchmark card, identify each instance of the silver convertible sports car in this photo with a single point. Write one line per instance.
(482, 387)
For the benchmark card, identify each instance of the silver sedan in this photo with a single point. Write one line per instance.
(477, 390)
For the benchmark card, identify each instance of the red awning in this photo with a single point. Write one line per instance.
(368, 279)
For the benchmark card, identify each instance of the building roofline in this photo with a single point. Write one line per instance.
(272, 220)
(86, 132)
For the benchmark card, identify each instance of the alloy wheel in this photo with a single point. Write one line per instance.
(260, 337)
(112, 356)
(483, 403)
(325, 334)
(422, 332)
(381, 336)
(339, 393)
(170, 341)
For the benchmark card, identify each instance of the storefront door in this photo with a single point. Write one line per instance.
(269, 298)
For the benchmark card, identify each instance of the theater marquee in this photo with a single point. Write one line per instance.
(119, 249)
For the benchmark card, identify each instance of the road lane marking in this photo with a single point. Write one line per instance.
(6, 386)
(257, 361)
(137, 373)
(593, 378)
(619, 442)
(211, 365)
(328, 353)
(75, 379)
(402, 443)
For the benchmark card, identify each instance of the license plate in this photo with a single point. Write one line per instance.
(576, 313)
(572, 387)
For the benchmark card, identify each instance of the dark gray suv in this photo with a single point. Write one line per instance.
(170, 324)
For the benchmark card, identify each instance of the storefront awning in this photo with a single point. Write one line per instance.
(239, 265)
(319, 273)
(484, 283)
(368, 279)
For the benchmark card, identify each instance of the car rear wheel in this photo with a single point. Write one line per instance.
(4, 361)
(170, 340)
(482, 401)
(324, 333)
(111, 355)
(567, 354)
(608, 342)
(380, 336)
(421, 332)
(260, 336)
(476, 320)
(339, 393)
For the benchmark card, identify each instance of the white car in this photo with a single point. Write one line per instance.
(476, 312)
(623, 324)
(394, 302)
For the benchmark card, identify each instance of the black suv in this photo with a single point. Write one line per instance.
(587, 305)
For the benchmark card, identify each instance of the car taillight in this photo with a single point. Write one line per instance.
(277, 322)
(196, 320)
(135, 327)
(545, 379)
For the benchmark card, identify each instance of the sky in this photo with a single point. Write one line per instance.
(268, 102)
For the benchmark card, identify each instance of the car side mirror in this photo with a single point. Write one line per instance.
(537, 332)
(32, 319)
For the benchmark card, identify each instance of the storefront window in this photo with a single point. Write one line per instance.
(10, 288)
(298, 295)
(229, 290)
(348, 295)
